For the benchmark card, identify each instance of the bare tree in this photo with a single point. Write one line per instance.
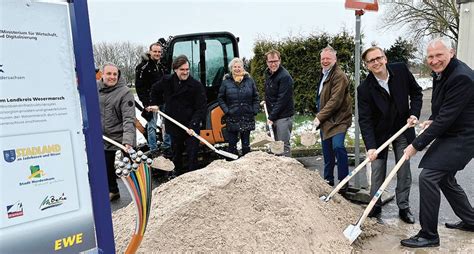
(125, 55)
(424, 17)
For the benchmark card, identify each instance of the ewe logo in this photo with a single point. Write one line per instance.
(15, 210)
(52, 201)
(9, 155)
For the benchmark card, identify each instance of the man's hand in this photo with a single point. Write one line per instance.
(128, 147)
(261, 103)
(425, 124)
(269, 122)
(409, 151)
(316, 122)
(152, 108)
(190, 132)
(412, 121)
(372, 154)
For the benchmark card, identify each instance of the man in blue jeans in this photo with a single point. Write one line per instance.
(334, 115)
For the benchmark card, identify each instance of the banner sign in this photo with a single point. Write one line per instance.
(45, 198)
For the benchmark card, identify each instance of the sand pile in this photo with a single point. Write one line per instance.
(257, 203)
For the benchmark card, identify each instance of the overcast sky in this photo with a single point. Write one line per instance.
(144, 21)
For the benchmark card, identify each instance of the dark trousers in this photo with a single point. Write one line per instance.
(180, 144)
(233, 137)
(431, 182)
(111, 176)
(333, 148)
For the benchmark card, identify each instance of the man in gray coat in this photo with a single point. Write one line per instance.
(117, 111)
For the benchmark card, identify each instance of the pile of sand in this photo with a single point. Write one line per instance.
(257, 203)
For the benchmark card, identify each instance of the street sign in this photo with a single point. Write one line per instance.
(368, 5)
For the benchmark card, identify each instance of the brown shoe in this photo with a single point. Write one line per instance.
(114, 196)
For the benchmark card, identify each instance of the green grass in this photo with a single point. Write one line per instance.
(299, 119)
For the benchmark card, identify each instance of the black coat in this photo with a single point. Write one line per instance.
(147, 73)
(279, 94)
(185, 102)
(239, 102)
(452, 112)
(376, 119)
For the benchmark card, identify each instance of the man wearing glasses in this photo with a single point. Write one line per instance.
(388, 99)
(279, 99)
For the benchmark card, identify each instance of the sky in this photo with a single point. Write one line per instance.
(144, 21)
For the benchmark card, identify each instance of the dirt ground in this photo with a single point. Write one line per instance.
(258, 203)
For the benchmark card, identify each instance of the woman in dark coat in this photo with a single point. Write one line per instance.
(238, 98)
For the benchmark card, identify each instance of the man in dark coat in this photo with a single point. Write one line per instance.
(451, 126)
(185, 101)
(334, 107)
(388, 99)
(148, 72)
(279, 99)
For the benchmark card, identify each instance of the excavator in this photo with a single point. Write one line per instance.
(209, 55)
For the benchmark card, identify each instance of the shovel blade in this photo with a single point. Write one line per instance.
(227, 154)
(352, 232)
(260, 143)
(324, 198)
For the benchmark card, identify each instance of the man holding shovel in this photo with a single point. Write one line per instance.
(388, 99)
(185, 101)
(334, 117)
(279, 99)
(451, 126)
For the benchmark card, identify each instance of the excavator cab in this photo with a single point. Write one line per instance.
(209, 55)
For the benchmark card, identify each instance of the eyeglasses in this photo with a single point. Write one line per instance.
(372, 61)
(273, 62)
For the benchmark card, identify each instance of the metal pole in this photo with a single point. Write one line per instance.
(358, 14)
(91, 125)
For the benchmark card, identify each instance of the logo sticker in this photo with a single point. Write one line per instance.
(9, 155)
(52, 201)
(15, 210)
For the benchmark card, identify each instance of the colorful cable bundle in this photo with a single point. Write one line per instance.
(135, 173)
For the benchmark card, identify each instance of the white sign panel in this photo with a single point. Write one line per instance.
(44, 187)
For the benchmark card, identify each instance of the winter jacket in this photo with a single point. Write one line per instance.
(279, 94)
(452, 113)
(239, 102)
(185, 102)
(335, 104)
(380, 114)
(147, 73)
(117, 113)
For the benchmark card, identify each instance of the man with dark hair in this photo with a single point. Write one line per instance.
(388, 99)
(334, 107)
(185, 101)
(148, 72)
(279, 99)
(451, 126)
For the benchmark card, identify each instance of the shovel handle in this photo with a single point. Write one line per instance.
(378, 194)
(269, 124)
(115, 143)
(358, 168)
(186, 129)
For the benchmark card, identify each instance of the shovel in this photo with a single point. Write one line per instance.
(308, 138)
(276, 147)
(223, 153)
(358, 168)
(353, 231)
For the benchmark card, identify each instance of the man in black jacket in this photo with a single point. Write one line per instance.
(148, 72)
(451, 126)
(279, 99)
(388, 98)
(185, 101)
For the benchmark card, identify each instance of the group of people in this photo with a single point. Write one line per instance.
(388, 99)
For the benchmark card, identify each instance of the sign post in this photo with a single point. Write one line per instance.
(53, 191)
(359, 7)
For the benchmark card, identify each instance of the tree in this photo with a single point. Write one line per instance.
(401, 51)
(123, 54)
(424, 17)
